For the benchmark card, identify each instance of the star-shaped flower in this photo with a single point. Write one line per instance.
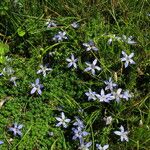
(122, 134)
(62, 121)
(43, 70)
(72, 61)
(126, 95)
(117, 95)
(109, 84)
(127, 59)
(90, 46)
(78, 123)
(99, 147)
(85, 146)
(91, 95)
(78, 133)
(36, 87)
(60, 36)
(16, 129)
(92, 67)
(104, 97)
(75, 25)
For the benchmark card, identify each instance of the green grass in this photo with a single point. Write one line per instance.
(25, 38)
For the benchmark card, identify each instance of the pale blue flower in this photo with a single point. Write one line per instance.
(62, 120)
(109, 84)
(78, 133)
(16, 129)
(99, 147)
(104, 97)
(90, 46)
(122, 134)
(92, 67)
(117, 95)
(43, 70)
(51, 23)
(72, 61)
(126, 95)
(60, 36)
(127, 59)
(1, 142)
(78, 123)
(36, 87)
(85, 146)
(91, 95)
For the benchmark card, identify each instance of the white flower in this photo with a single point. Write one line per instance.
(99, 147)
(117, 95)
(62, 121)
(13, 79)
(75, 25)
(85, 146)
(108, 120)
(126, 95)
(110, 84)
(8, 71)
(91, 95)
(104, 98)
(92, 67)
(43, 70)
(72, 61)
(90, 46)
(122, 134)
(51, 23)
(36, 87)
(128, 40)
(60, 36)
(127, 59)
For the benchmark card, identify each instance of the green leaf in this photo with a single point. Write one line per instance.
(21, 32)
(4, 48)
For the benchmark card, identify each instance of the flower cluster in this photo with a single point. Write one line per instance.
(114, 94)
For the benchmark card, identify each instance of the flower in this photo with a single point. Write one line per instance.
(110, 84)
(122, 134)
(16, 129)
(126, 95)
(43, 70)
(104, 98)
(60, 36)
(72, 61)
(37, 87)
(92, 67)
(108, 120)
(1, 142)
(128, 40)
(91, 95)
(75, 25)
(78, 123)
(117, 95)
(51, 23)
(8, 71)
(127, 59)
(78, 133)
(99, 147)
(85, 146)
(13, 79)
(90, 46)
(62, 121)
